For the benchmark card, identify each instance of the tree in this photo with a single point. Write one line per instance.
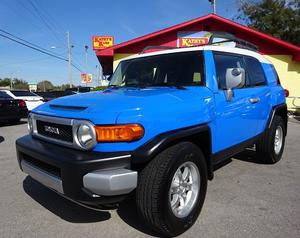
(45, 86)
(5, 82)
(20, 84)
(63, 87)
(279, 18)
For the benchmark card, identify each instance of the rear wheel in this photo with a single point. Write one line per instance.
(270, 146)
(172, 188)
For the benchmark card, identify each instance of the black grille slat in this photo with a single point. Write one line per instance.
(65, 131)
(42, 165)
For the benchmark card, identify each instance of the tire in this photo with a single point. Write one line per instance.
(154, 196)
(265, 148)
(15, 120)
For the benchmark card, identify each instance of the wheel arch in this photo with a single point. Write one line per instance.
(279, 110)
(199, 135)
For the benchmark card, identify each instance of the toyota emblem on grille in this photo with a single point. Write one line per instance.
(52, 129)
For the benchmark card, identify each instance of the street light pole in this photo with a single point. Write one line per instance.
(86, 64)
(69, 59)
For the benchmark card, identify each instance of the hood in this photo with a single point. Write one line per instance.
(111, 102)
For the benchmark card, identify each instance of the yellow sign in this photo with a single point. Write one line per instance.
(86, 78)
(102, 42)
(189, 42)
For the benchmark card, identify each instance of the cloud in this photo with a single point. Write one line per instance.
(127, 28)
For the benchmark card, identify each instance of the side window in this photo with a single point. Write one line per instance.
(223, 62)
(276, 74)
(255, 72)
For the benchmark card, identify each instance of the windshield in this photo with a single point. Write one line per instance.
(176, 69)
(4, 95)
(24, 94)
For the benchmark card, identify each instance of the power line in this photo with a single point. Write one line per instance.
(76, 67)
(39, 49)
(32, 47)
(52, 20)
(40, 15)
(10, 34)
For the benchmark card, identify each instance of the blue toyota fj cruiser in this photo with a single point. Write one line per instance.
(166, 120)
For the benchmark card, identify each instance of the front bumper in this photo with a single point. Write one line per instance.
(91, 178)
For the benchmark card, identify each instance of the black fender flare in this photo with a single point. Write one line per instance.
(150, 149)
(280, 110)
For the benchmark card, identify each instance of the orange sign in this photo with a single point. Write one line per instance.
(189, 42)
(102, 42)
(86, 78)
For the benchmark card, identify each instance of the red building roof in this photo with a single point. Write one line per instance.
(168, 37)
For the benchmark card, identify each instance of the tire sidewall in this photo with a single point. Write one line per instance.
(193, 154)
(277, 122)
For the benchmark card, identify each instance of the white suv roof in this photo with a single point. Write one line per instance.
(234, 50)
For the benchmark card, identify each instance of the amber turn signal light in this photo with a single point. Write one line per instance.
(119, 133)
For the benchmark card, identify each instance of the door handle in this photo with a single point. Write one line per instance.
(254, 100)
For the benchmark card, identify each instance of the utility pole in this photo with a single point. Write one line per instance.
(69, 59)
(86, 63)
(11, 81)
(214, 5)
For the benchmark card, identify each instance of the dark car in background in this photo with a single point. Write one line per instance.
(54, 94)
(12, 110)
(57, 94)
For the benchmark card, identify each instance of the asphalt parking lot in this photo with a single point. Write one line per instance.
(245, 199)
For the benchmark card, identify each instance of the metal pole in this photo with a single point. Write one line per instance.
(214, 6)
(69, 59)
(11, 81)
(86, 64)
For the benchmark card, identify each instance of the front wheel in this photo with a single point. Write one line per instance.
(172, 188)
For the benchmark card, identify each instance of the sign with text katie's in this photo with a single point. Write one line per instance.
(192, 38)
(102, 42)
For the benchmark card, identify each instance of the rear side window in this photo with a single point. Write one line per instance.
(223, 62)
(255, 73)
(275, 74)
(23, 94)
(4, 95)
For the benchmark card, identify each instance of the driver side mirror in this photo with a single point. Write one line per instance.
(235, 78)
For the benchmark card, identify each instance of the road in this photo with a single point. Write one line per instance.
(245, 199)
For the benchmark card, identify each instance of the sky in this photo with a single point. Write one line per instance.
(46, 22)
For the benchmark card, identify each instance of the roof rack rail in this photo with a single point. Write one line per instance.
(231, 38)
(159, 47)
(227, 37)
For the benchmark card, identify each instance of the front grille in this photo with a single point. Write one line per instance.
(55, 131)
(42, 165)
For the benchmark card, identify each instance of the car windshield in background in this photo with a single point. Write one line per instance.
(23, 94)
(5, 95)
(178, 69)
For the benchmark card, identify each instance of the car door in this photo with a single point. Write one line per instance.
(236, 119)
(260, 92)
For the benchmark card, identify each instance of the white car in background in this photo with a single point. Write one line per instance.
(32, 100)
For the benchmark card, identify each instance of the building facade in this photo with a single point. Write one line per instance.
(284, 56)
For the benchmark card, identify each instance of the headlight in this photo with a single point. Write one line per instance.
(86, 136)
(30, 124)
